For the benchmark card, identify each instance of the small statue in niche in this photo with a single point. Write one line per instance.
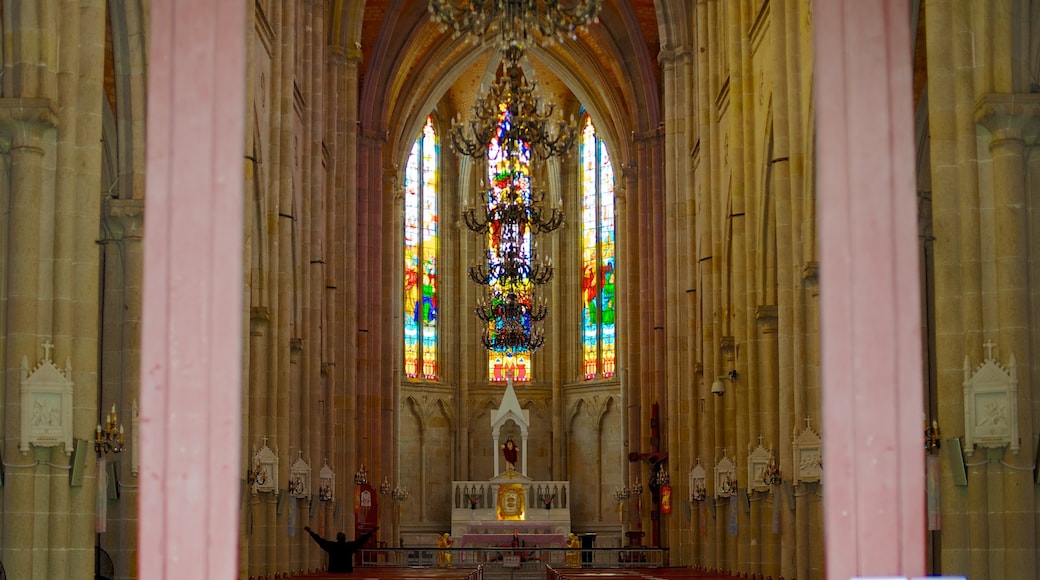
(510, 452)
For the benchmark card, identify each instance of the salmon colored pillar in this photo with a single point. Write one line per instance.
(192, 306)
(874, 516)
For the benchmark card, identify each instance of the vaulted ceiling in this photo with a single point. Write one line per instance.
(410, 67)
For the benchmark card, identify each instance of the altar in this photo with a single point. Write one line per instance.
(510, 506)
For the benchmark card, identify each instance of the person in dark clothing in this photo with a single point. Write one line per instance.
(341, 552)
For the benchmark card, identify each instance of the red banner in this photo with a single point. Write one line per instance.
(666, 499)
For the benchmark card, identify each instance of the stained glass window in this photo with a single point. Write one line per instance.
(421, 241)
(598, 299)
(509, 175)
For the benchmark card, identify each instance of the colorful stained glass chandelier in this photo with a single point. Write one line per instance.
(512, 22)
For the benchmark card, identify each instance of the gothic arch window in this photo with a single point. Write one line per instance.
(421, 250)
(598, 298)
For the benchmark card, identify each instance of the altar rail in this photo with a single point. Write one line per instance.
(493, 559)
(484, 494)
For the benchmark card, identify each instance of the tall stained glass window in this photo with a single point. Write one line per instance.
(509, 175)
(421, 244)
(598, 299)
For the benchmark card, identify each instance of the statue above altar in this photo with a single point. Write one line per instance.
(509, 504)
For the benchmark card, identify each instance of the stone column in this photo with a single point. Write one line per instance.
(1010, 118)
(121, 364)
(191, 350)
(23, 123)
(870, 288)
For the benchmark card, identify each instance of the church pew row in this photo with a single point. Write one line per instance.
(391, 573)
(654, 574)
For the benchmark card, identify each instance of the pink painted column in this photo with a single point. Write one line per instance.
(192, 311)
(870, 319)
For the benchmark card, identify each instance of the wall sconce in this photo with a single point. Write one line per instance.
(771, 474)
(662, 477)
(361, 476)
(622, 493)
(718, 388)
(399, 494)
(110, 438)
(932, 439)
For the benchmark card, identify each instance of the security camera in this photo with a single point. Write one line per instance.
(718, 388)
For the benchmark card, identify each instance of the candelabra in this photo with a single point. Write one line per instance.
(513, 119)
(771, 473)
(511, 23)
(637, 489)
(110, 438)
(728, 487)
(547, 499)
(622, 493)
(662, 477)
(399, 494)
(361, 476)
(515, 204)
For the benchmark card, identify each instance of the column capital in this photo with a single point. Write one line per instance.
(125, 218)
(1009, 115)
(23, 121)
(670, 55)
(767, 316)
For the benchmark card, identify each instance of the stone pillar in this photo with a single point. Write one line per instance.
(191, 350)
(870, 287)
(23, 123)
(1010, 118)
(121, 364)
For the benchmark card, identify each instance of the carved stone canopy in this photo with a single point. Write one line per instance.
(725, 477)
(300, 478)
(991, 404)
(46, 398)
(265, 469)
(808, 456)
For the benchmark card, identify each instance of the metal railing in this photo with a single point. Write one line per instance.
(498, 562)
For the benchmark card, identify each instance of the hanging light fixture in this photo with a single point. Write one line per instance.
(513, 22)
(512, 112)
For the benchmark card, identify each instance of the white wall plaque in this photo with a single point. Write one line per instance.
(264, 470)
(698, 489)
(300, 478)
(46, 394)
(808, 456)
(725, 477)
(757, 461)
(991, 404)
(326, 483)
